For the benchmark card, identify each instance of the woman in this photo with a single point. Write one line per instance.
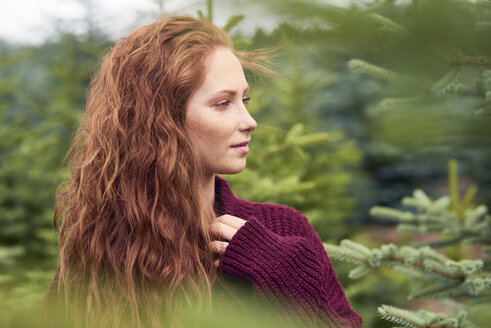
(145, 218)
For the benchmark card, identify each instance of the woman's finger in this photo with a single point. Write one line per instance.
(231, 220)
(217, 263)
(223, 230)
(219, 246)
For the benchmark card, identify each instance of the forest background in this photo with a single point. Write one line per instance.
(372, 100)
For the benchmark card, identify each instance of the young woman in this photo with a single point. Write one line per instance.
(145, 217)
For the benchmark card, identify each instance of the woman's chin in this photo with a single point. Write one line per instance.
(233, 169)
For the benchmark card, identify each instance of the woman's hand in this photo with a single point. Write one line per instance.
(224, 227)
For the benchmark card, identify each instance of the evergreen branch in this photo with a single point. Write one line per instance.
(356, 247)
(460, 278)
(209, 7)
(440, 205)
(401, 317)
(419, 200)
(422, 266)
(201, 15)
(460, 223)
(446, 83)
(455, 57)
(232, 22)
(421, 319)
(373, 69)
(474, 215)
(449, 84)
(421, 196)
(401, 81)
(346, 254)
(477, 284)
(389, 255)
(469, 195)
(388, 24)
(389, 213)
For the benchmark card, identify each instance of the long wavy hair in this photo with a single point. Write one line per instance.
(134, 230)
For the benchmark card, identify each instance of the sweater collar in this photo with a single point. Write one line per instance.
(225, 201)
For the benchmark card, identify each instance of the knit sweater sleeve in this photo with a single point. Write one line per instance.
(293, 271)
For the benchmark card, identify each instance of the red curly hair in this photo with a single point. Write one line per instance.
(135, 230)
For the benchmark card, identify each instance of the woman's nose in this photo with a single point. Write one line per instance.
(248, 123)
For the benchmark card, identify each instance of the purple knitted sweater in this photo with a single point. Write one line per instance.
(278, 251)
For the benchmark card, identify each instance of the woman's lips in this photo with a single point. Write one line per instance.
(242, 148)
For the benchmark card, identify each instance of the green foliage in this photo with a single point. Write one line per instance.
(437, 275)
(432, 59)
(41, 100)
(36, 125)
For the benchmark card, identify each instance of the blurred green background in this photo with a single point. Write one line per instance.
(371, 100)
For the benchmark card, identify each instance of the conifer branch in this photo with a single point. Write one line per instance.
(456, 57)
(445, 274)
(209, 7)
(459, 222)
(232, 22)
(387, 24)
(399, 316)
(446, 83)
(422, 319)
(373, 69)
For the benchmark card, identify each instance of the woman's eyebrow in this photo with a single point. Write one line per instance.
(231, 92)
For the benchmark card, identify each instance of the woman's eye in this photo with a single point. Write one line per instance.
(224, 103)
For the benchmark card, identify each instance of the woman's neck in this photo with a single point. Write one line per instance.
(209, 189)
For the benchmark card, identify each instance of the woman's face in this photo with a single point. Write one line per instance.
(216, 116)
